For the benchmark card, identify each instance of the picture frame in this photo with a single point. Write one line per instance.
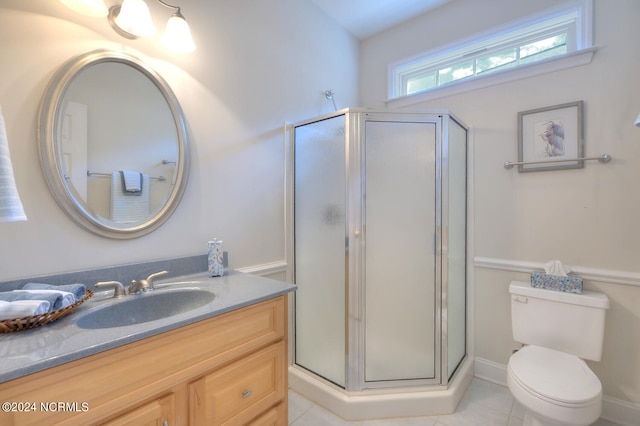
(546, 136)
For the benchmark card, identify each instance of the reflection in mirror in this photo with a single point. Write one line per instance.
(114, 145)
(103, 135)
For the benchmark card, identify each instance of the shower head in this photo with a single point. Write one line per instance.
(329, 95)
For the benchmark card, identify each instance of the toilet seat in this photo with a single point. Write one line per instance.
(555, 377)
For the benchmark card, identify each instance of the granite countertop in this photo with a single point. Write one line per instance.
(30, 351)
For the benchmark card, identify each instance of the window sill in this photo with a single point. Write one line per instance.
(575, 59)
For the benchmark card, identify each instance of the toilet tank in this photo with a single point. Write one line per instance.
(567, 322)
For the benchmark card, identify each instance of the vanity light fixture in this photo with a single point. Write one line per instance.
(132, 20)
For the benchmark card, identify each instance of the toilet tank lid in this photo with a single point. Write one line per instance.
(586, 298)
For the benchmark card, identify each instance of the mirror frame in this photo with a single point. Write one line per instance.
(48, 126)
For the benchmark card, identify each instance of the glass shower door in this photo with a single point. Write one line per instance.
(455, 225)
(320, 259)
(400, 261)
(379, 243)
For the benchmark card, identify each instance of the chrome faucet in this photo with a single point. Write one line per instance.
(144, 285)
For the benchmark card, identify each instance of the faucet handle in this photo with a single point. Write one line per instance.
(118, 288)
(135, 287)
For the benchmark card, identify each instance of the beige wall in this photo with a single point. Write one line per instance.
(586, 218)
(257, 64)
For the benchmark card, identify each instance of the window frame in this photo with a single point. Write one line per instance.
(579, 52)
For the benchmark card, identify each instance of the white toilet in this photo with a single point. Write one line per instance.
(548, 376)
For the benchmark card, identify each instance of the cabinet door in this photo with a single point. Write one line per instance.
(160, 412)
(236, 394)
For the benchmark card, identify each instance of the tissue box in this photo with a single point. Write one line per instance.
(569, 284)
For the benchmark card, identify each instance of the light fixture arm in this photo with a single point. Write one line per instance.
(177, 9)
(114, 11)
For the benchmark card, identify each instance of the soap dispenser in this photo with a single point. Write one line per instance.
(216, 258)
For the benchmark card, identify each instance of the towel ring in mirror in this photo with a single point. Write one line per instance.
(105, 112)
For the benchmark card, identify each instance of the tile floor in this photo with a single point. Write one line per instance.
(484, 404)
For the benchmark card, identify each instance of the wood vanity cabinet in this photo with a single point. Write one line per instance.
(227, 370)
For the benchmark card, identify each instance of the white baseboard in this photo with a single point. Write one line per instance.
(614, 410)
(490, 371)
(621, 412)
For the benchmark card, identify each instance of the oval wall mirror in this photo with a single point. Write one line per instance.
(113, 144)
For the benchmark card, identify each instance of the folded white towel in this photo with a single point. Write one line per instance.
(64, 298)
(22, 308)
(132, 181)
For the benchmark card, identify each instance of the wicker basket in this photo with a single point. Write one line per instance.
(26, 323)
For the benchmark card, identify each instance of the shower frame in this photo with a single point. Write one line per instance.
(355, 120)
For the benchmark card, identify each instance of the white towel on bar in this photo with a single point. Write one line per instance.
(22, 308)
(132, 181)
(10, 205)
(129, 208)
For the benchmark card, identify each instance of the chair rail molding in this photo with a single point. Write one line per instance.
(591, 274)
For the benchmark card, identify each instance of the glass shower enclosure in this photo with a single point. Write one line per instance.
(377, 240)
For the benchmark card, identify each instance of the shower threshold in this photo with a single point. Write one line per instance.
(383, 403)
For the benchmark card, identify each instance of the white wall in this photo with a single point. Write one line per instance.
(257, 64)
(588, 217)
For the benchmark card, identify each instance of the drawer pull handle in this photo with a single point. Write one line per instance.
(246, 394)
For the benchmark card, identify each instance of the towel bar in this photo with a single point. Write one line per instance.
(90, 173)
(604, 158)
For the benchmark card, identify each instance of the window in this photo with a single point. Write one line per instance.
(553, 34)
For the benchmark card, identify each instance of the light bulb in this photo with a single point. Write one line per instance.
(135, 19)
(177, 35)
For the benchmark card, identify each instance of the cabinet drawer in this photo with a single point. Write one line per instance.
(236, 394)
(274, 417)
(158, 412)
